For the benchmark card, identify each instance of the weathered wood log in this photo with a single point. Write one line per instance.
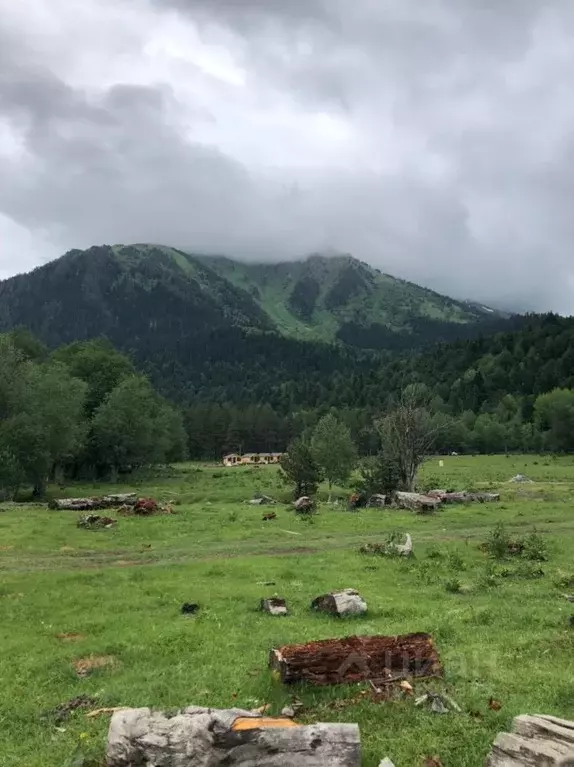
(342, 603)
(542, 741)
(274, 606)
(96, 502)
(416, 502)
(356, 659)
(203, 737)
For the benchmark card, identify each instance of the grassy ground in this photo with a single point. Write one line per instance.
(501, 635)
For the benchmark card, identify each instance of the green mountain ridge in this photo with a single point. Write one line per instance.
(333, 298)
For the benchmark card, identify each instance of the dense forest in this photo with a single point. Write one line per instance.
(85, 410)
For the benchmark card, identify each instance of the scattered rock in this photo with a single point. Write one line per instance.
(377, 500)
(520, 478)
(569, 597)
(343, 603)
(274, 606)
(261, 500)
(386, 762)
(189, 608)
(95, 522)
(85, 666)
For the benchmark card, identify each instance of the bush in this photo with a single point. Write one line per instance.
(564, 580)
(535, 548)
(456, 562)
(500, 545)
(453, 586)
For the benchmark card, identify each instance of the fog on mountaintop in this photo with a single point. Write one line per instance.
(432, 140)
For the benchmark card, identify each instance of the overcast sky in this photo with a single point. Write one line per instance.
(433, 139)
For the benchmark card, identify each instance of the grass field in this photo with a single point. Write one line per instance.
(500, 633)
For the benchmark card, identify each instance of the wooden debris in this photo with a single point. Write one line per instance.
(269, 516)
(417, 502)
(202, 736)
(304, 505)
(463, 497)
(356, 659)
(534, 740)
(389, 549)
(94, 503)
(274, 606)
(85, 666)
(342, 603)
(95, 522)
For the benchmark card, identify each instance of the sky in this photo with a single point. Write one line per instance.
(433, 140)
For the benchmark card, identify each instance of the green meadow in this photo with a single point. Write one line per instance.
(500, 625)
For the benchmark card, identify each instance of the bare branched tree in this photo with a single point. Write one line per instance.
(407, 433)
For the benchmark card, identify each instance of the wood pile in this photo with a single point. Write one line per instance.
(416, 502)
(534, 740)
(357, 659)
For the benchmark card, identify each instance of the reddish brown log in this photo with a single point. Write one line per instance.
(356, 659)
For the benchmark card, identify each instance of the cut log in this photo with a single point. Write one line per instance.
(204, 737)
(416, 502)
(541, 741)
(274, 606)
(96, 502)
(342, 603)
(356, 659)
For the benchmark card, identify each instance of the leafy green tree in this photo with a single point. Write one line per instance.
(333, 449)
(98, 364)
(56, 401)
(299, 468)
(554, 416)
(380, 475)
(124, 426)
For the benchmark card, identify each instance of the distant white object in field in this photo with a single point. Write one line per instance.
(441, 464)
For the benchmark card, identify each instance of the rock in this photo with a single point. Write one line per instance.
(274, 606)
(206, 737)
(386, 762)
(520, 478)
(344, 603)
(377, 500)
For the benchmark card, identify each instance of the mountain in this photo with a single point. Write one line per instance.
(212, 328)
(338, 298)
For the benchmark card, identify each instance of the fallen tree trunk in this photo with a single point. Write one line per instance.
(534, 740)
(356, 659)
(416, 502)
(96, 502)
(203, 737)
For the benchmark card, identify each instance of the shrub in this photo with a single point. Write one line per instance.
(456, 562)
(453, 586)
(535, 548)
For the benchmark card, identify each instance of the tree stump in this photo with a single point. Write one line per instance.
(544, 741)
(343, 603)
(204, 737)
(357, 659)
(274, 606)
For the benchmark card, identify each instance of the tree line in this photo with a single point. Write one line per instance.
(82, 411)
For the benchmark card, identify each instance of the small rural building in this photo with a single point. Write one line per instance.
(251, 459)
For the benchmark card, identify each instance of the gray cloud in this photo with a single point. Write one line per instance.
(433, 140)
